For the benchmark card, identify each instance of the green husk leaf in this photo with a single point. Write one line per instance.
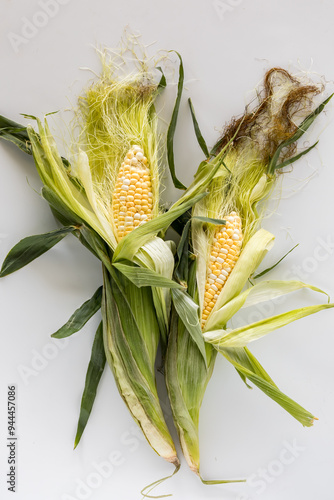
(86, 235)
(183, 241)
(181, 268)
(145, 277)
(246, 364)
(55, 176)
(130, 341)
(144, 337)
(268, 269)
(137, 357)
(12, 135)
(80, 317)
(18, 135)
(187, 310)
(131, 243)
(31, 117)
(180, 344)
(210, 220)
(249, 361)
(201, 181)
(217, 147)
(89, 237)
(240, 337)
(303, 127)
(52, 113)
(172, 126)
(261, 292)
(162, 83)
(295, 158)
(64, 221)
(15, 133)
(31, 248)
(94, 372)
(199, 136)
(243, 356)
(59, 206)
(6, 123)
(179, 223)
(157, 256)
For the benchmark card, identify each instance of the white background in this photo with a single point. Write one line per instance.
(226, 50)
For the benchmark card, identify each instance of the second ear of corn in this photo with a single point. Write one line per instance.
(243, 180)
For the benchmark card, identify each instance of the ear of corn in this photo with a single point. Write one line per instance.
(111, 190)
(119, 135)
(227, 255)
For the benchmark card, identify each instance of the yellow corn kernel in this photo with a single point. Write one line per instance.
(132, 197)
(224, 253)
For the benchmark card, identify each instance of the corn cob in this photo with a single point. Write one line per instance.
(225, 251)
(132, 198)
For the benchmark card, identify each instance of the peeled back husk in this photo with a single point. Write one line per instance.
(131, 339)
